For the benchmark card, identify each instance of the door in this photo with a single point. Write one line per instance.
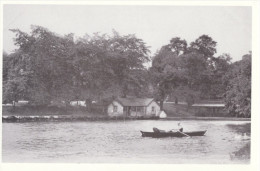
(126, 110)
(153, 110)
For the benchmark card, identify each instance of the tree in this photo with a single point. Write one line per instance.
(178, 45)
(238, 88)
(46, 61)
(166, 73)
(193, 74)
(58, 68)
(221, 66)
(6, 66)
(204, 71)
(116, 64)
(14, 78)
(204, 45)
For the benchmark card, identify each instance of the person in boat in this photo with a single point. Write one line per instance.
(180, 128)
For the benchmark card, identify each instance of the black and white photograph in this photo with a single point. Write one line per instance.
(127, 84)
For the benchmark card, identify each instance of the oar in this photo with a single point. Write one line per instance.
(184, 134)
(180, 132)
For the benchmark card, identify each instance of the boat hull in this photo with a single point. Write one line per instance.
(172, 134)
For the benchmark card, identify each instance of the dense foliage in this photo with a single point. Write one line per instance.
(190, 72)
(238, 88)
(48, 67)
(193, 73)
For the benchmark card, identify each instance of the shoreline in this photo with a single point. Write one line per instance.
(68, 118)
(54, 113)
(209, 118)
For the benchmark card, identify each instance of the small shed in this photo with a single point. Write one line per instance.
(162, 114)
(134, 107)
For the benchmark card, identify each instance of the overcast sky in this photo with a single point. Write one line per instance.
(156, 25)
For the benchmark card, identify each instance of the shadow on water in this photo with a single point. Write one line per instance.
(243, 128)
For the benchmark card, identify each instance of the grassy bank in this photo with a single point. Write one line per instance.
(52, 113)
(244, 152)
(72, 113)
(208, 118)
(47, 110)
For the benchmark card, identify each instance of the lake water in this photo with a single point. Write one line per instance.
(119, 142)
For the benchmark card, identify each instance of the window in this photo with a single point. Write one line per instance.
(153, 109)
(115, 108)
(138, 109)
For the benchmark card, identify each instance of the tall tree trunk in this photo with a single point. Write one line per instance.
(89, 104)
(67, 105)
(176, 100)
(161, 104)
(162, 96)
(13, 104)
(124, 90)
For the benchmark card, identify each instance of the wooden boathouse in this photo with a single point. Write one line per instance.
(134, 107)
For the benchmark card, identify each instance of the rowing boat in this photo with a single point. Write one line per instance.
(161, 134)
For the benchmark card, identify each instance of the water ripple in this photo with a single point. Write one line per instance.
(119, 142)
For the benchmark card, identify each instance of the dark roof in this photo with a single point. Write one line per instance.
(134, 101)
(210, 103)
(104, 102)
(220, 101)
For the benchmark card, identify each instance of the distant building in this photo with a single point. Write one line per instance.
(18, 103)
(133, 107)
(209, 109)
(78, 103)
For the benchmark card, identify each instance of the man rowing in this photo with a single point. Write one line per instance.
(180, 128)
